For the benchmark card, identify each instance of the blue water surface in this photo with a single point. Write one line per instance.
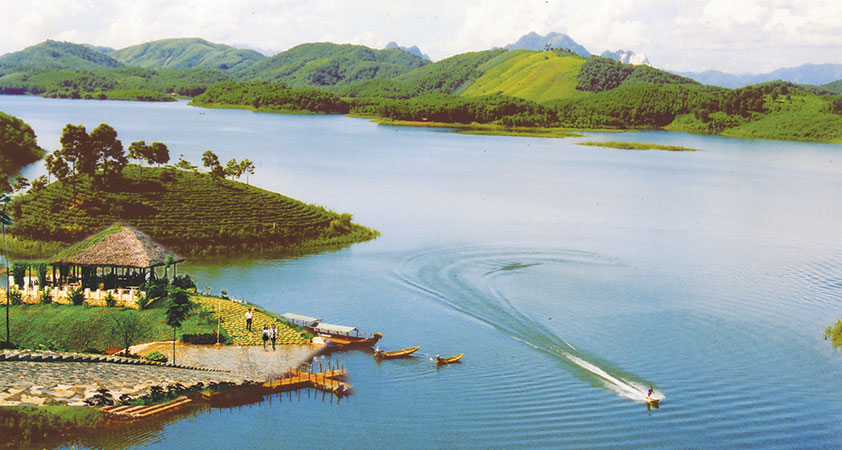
(572, 278)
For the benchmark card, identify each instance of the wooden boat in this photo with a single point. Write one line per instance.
(407, 352)
(451, 360)
(337, 335)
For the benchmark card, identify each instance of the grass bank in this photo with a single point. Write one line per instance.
(638, 146)
(95, 329)
(44, 426)
(485, 129)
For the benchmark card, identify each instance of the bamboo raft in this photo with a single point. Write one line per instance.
(143, 411)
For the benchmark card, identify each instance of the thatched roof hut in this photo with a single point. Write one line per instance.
(119, 245)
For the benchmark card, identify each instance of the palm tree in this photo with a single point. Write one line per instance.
(177, 312)
(5, 219)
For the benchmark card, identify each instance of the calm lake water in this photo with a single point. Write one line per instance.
(571, 277)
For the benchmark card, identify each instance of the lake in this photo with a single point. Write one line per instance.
(572, 278)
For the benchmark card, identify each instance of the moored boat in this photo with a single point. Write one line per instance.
(451, 360)
(405, 353)
(338, 335)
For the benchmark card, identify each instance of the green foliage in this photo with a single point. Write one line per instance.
(41, 270)
(18, 147)
(60, 55)
(110, 301)
(183, 282)
(326, 64)
(15, 297)
(272, 97)
(156, 356)
(600, 74)
(156, 204)
(19, 272)
(76, 296)
(45, 298)
(77, 328)
(637, 146)
(128, 83)
(186, 54)
(603, 74)
(454, 109)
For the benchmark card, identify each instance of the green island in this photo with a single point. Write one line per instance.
(498, 92)
(638, 146)
(96, 186)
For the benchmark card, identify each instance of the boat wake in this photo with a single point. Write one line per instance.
(465, 279)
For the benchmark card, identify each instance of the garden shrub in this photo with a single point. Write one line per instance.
(142, 301)
(19, 272)
(183, 282)
(76, 296)
(110, 301)
(15, 297)
(45, 298)
(157, 357)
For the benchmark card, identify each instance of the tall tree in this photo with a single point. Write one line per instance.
(158, 154)
(110, 155)
(57, 166)
(177, 312)
(247, 167)
(139, 151)
(232, 169)
(75, 151)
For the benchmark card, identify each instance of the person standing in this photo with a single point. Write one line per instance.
(249, 315)
(273, 334)
(265, 335)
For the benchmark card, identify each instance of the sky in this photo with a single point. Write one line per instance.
(736, 36)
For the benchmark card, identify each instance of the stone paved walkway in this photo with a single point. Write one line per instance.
(37, 383)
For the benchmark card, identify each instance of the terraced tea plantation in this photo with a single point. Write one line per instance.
(189, 212)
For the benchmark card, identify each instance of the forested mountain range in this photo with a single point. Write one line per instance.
(549, 87)
(186, 54)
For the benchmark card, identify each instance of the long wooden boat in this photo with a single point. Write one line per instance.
(337, 335)
(451, 360)
(407, 352)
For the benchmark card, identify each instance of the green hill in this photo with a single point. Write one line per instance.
(834, 86)
(186, 54)
(189, 212)
(531, 75)
(325, 64)
(60, 55)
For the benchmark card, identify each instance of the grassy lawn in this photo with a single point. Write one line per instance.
(81, 328)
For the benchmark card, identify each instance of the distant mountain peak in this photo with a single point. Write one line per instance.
(414, 50)
(627, 57)
(534, 41)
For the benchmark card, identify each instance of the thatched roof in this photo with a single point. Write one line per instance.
(119, 245)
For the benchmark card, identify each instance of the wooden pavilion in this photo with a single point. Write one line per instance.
(118, 256)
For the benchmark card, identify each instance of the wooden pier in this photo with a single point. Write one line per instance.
(330, 381)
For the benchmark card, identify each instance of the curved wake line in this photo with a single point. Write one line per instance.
(522, 325)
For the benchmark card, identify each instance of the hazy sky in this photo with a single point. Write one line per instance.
(730, 35)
